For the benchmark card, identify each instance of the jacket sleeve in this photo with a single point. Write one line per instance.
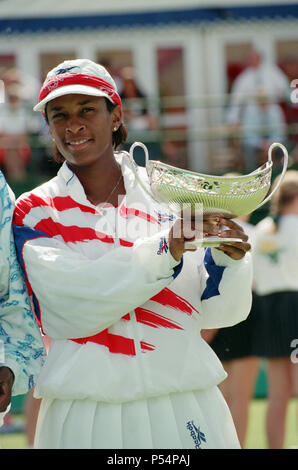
(21, 345)
(79, 297)
(227, 296)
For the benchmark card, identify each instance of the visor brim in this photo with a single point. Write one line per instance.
(68, 90)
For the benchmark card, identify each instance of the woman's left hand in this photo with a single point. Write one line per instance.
(235, 250)
(6, 383)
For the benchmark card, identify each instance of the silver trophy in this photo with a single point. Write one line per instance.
(223, 196)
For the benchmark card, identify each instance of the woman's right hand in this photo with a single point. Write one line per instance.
(184, 231)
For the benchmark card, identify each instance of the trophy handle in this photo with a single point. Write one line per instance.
(139, 144)
(133, 146)
(285, 165)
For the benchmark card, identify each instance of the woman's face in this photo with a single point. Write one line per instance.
(82, 128)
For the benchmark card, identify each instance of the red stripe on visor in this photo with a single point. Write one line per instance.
(64, 79)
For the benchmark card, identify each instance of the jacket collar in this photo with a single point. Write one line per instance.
(136, 197)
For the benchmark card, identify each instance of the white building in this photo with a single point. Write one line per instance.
(179, 48)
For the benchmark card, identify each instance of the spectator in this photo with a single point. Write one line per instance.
(15, 152)
(27, 83)
(136, 114)
(244, 99)
(275, 256)
(234, 347)
(140, 122)
(262, 124)
(174, 153)
(114, 70)
(258, 75)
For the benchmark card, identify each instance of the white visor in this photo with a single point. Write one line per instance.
(68, 90)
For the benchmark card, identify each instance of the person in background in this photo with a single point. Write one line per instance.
(29, 84)
(114, 70)
(139, 119)
(136, 113)
(126, 367)
(21, 348)
(15, 151)
(234, 347)
(259, 74)
(246, 114)
(275, 260)
(262, 124)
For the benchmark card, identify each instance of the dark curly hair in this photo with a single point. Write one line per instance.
(118, 137)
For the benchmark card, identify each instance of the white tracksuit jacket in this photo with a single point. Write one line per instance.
(124, 317)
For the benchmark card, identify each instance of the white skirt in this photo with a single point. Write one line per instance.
(188, 420)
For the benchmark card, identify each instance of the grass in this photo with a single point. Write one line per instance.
(256, 436)
(13, 441)
(256, 433)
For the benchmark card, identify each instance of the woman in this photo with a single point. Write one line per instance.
(21, 348)
(276, 283)
(117, 293)
(234, 347)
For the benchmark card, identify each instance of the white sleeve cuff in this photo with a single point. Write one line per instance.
(221, 259)
(155, 257)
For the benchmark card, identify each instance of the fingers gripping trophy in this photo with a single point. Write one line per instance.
(209, 197)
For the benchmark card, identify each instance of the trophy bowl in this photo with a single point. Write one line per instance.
(223, 196)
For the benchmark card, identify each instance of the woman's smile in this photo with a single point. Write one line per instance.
(75, 145)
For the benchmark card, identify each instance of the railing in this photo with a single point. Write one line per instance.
(176, 122)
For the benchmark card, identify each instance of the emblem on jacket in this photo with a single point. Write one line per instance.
(196, 434)
(163, 246)
(163, 217)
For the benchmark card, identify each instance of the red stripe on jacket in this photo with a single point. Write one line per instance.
(71, 233)
(128, 211)
(59, 203)
(123, 345)
(115, 343)
(154, 320)
(62, 203)
(168, 298)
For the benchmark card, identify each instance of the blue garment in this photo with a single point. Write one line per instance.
(262, 123)
(21, 345)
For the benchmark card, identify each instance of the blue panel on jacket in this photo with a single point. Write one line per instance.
(215, 274)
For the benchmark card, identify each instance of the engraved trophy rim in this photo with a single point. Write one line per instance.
(266, 166)
(227, 196)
